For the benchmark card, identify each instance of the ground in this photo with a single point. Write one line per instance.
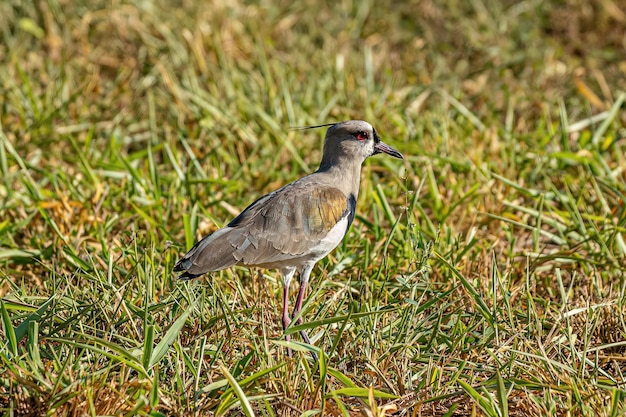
(483, 274)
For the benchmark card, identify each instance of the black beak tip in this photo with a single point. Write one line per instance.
(398, 155)
(382, 147)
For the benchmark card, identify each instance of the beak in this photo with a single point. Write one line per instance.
(382, 147)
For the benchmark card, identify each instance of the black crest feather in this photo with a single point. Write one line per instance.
(311, 127)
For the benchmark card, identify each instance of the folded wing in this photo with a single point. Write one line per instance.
(277, 229)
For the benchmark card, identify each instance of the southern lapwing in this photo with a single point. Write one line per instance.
(295, 226)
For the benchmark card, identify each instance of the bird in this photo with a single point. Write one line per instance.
(297, 225)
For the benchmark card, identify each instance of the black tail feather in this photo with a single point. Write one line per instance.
(186, 276)
(181, 266)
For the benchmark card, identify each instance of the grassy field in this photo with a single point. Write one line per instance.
(484, 275)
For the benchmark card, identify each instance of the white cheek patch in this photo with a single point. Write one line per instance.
(370, 149)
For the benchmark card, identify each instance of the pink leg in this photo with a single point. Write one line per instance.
(287, 274)
(286, 318)
(304, 279)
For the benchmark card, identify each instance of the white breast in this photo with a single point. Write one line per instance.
(331, 240)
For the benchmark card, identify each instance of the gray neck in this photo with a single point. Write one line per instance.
(343, 173)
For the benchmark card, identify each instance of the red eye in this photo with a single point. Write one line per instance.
(362, 136)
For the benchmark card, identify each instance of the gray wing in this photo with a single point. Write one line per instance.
(278, 227)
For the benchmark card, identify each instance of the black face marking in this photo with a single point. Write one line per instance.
(376, 137)
(351, 210)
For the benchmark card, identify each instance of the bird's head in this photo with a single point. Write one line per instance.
(351, 142)
(354, 140)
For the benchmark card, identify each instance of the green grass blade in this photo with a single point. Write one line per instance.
(148, 346)
(484, 402)
(23, 327)
(482, 307)
(33, 342)
(615, 109)
(116, 353)
(170, 337)
(245, 403)
(330, 320)
(9, 331)
(361, 392)
(342, 378)
(501, 392)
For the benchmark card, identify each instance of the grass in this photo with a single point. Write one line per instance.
(483, 276)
